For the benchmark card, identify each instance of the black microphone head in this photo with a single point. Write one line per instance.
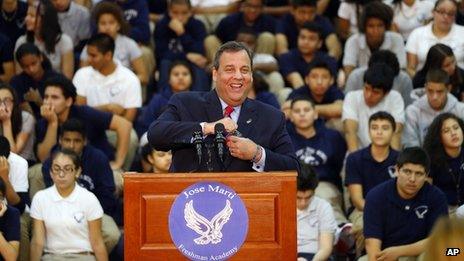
(219, 127)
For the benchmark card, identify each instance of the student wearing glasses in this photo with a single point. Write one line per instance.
(400, 213)
(443, 29)
(66, 217)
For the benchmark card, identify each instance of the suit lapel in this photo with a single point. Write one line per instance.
(213, 107)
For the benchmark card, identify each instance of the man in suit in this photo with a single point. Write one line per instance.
(256, 137)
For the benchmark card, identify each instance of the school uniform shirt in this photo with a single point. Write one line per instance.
(451, 179)
(293, 61)
(361, 168)
(12, 24)
(311, 222)
(397, 221)
(229, 26)
(324, 152)
(66, 219)
(75, 22)
(10, 225)
(6, 51)
(332, 94)
(96, 177)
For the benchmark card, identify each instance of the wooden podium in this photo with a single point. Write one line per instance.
(270, 199)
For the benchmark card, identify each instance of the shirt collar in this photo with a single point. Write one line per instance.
(224, 105)
(71, 198)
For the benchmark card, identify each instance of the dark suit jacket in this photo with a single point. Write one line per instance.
(259, 122)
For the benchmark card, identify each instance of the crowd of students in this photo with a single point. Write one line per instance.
(363, 85)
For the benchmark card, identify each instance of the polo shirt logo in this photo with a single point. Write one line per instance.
(391, 171)
(115, 90)
(421, 211)
(79, 216)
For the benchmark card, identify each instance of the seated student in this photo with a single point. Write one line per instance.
(265, 63)
(408, 15)
(7, 69)
(437, 100)
(316, 224)
(155, 161)
(17, 125)
(74, 20)
(320, 88)
(287, 29)
(96, 175)
(66, 211)
(375, 21)
(29, 84)
(401, 83)
(441, 56)
(12, 23)
(180, 36)
(375, 96)
(322, 148)
(9, 227)
(444, 142)
(44, 31)
(109, 20)
(251, 17)
(368, 167)
(106, 84)
(400, 213)
(58, 107)
(294, 64)
(180, 80)
(260, 91)
(210, 12)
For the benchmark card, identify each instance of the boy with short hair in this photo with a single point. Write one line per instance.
(316, 224)
(369, 167)
(376, 96)
(400, 213)
(155, 161)
(294, 63)
(319, 87)
(322, 148)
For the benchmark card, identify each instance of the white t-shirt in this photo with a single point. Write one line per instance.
(121, 87)
(125, 50)
(407, 18)
(18, 173)
(63, 46)
(316, 219)
(422, 38)
(66, 219)
(347, 11)
(211, 3)
(355, 108)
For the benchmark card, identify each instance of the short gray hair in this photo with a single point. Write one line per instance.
(233, 47)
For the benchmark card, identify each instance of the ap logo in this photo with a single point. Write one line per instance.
(208, 221)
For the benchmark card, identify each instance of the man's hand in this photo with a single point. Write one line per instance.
(33, 95)
(229, 125)
(242, 148)
(388, 254)
(197, 59)
(177, 26)
(48, 113)
(4, 168)
(5, 113)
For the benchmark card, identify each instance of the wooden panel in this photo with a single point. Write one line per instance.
(270, 199)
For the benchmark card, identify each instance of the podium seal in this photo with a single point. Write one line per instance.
(208, 221)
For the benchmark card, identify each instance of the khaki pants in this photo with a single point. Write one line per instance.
(36, 181)
(210, 21)
(329, 192)
(25, 239)
(356, 218)
(131, 150)
(62, 257)
(402, 258)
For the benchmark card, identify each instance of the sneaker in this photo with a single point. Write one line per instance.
(344, 239)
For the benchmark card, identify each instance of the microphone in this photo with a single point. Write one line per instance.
(198, 142)
(219, 140)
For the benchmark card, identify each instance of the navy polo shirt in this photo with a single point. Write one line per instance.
(333, 94)
(324, 152)
(397, 221)
(268, 98)
(447, 179)
(22, 83)
(230, 25)
(361, 168)
(9, 224)
(287, 26)
(153, 110)
(96, 123)
(96, 176)
(6, 51)
(293, 61)
(14, 26)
